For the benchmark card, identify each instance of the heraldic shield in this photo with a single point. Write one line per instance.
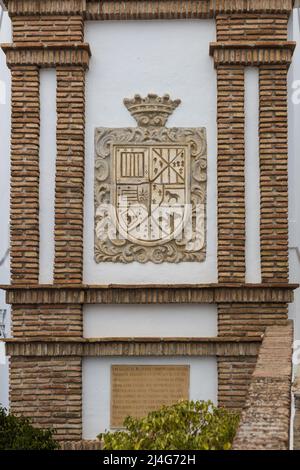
(150, 188)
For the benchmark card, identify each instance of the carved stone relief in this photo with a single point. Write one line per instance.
(150, 188)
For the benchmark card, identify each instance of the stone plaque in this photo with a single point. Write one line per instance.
(150, 188)
(137, 390)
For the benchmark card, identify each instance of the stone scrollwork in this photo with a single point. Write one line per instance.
(150, 188)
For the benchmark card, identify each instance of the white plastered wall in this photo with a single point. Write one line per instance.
(47, 173)
(143, 57)
(169, 320)
(252, 189)
(159, 57)
(96, 386)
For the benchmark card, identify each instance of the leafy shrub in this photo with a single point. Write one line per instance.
(17, 433)
(187, 425)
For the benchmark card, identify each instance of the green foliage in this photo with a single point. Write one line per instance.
(187, 425)
(17, 433)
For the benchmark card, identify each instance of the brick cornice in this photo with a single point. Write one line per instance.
(43, 55)
(45, 7)
(229, 346)
(148, 294)
(138, 9)
(249, 53)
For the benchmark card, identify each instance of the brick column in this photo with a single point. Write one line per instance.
(46, 389)
(231, 180)
(49, 391)
(234, 375)
(69, 190)
(250, 39)
(273, 173)
(24, 206)
(47, 34)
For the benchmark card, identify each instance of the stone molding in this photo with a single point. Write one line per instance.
(47, 56)
(148, 294)
(96, 347)
(252, 53)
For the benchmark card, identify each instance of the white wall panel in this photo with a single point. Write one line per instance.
(47, 172)
(96, 386)
(159, 57)
(252, 176)
(168, 320)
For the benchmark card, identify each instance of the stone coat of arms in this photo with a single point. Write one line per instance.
(150, 188)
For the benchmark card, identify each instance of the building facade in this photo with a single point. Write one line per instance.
(90, 319)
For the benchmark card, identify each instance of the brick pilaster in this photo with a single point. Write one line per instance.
(24, 206)
(231, 180)
(273, 173)
(69, 189)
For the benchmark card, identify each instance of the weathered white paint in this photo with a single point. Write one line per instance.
(252, 190)
(141, 57)
(5, 110)
(47, 172)
(169, 320)
(96, 386)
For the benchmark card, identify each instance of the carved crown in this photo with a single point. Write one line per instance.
(151, 111)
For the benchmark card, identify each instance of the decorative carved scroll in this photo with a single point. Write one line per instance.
(150, 188)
